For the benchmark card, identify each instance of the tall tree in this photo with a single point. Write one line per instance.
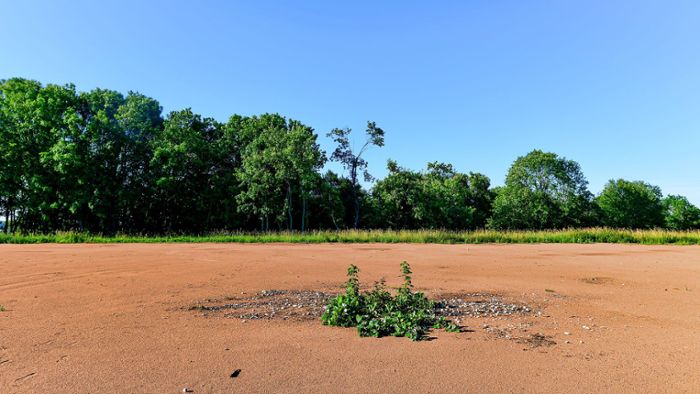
(32, 119)
(353, 162)
(542, 190)
(183, 164)
(86, 159)
(397, 198)
(262, 172)
(631, 204)
(280, 161)
(140, 118)
(680, 214)
(305, 159)
(440, 197)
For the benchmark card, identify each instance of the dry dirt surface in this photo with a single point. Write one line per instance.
(167, 317)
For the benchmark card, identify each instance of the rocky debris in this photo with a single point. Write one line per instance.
(309, 305)
(477, 305)
(272, 304)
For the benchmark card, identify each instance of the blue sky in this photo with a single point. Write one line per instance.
(614, 85)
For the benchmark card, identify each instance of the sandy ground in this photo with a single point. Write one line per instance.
(115, 319)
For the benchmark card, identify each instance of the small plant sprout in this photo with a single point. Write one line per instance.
(376, 313)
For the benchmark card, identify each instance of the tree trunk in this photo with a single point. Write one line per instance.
(355, 200)
(335, 223)
(6, 228)
(290, 224)
(303, 212)
(356, 203)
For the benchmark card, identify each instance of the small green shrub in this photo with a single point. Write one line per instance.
(377, 313)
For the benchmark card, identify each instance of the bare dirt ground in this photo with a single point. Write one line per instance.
(119, 319)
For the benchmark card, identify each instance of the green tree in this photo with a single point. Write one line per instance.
(327, 204)
(279, 160)
(86, 161)
(141, 121)
(353, 162)
(680, 214)
(183, 164)
(542, 190)
(304, 159)
(454, 200)
(263, 170)
(441, 197)
(626, 204)
(32, 117)
(397, 198)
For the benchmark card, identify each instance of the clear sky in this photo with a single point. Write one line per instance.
(614, 85)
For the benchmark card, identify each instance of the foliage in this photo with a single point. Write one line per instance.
(377, 313)
(101, 162)
(353, 161)
(626, 204)
(542, 190)
(680, 214)
(280, 161)
(438, 198)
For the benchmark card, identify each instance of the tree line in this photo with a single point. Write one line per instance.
(101, 161)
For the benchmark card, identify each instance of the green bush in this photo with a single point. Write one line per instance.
(377, 313)
(631, 204)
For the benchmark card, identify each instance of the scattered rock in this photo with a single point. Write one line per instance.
(477, 305)
(272, 304)
(309, 305)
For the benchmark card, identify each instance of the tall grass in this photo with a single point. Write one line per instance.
(592, 235)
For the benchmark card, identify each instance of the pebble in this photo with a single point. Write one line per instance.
(585, 327)
(567, 333)
(187, 390)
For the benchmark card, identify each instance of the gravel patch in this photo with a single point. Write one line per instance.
(271, 304)
(477, 305)
(309, 305)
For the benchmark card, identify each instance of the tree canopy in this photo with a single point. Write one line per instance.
(542, 190)
(631, 204)
(106, 162)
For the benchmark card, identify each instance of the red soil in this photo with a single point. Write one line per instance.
(114, 319)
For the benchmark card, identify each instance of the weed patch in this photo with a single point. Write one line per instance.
(378, 313)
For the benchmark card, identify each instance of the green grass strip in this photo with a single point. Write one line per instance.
(578, 236)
